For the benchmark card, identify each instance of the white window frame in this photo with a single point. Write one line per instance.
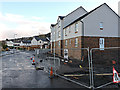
(70, 41)
(76, 27)
(65, 30)
(76, 42)
(101, 26)
(59, 43)
(59, 34)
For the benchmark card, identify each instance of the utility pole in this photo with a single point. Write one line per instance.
(14, 40)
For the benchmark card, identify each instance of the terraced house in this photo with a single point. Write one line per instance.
(81, 29)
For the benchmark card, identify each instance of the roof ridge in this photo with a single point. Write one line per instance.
(90, 13)
(75, 10)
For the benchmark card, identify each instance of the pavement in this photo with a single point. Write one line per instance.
(18, 72)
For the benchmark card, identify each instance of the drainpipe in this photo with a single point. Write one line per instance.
(82, 32)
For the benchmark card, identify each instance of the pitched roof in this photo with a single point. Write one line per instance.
(40, 38)
(89, 13)
(62, 17)
(26, 41)
(75, 10)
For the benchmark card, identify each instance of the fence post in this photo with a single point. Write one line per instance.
(92, 79)
(89, 64)
(54, 58)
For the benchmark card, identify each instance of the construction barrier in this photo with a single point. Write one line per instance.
(102, 62)
(91, 68)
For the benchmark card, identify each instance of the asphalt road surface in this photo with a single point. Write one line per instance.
(18, 72)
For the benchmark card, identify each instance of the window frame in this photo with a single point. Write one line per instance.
(69, 41)
(59, 43)
(59, 34)
(76, 42)
(101, 26)
(76, 27)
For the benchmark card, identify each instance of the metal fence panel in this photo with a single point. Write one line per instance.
(74, 65)
(102, 62)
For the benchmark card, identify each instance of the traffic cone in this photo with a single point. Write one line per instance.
(51, 73)
(33, 63)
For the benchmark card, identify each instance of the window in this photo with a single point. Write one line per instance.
(58, 34)
(59, 43)
(65, 32)
(51, 36)
(101, 26)
(70, 41)
(76, 27)
(40, 42)
(65, 42)
(76, 42)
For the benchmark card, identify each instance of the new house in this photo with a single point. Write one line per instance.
(39, 42)
(25, 44)
(81, 29)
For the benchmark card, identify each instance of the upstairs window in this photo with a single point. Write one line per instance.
(76, 27)
(101, 26)
(58, 34)
(76, 42)
(65, 32)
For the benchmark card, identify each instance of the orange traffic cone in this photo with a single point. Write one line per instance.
(51, 73)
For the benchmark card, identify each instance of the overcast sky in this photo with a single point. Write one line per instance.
(28, 18)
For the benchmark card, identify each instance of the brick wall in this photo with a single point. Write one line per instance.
(85, 42)
(73, 52)
(93, 42)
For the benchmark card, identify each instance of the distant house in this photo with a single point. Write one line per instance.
(16, 43)
(38, 42)
(10, 43)
(25, 44)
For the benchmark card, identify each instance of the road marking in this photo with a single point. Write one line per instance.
(5, 69)
(77, 75)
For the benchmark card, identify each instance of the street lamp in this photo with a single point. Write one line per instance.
(14, 40)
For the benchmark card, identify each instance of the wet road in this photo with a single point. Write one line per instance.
(18, 72)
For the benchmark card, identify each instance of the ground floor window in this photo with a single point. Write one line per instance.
(76, 42)
(70, 41)
(59, 43)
